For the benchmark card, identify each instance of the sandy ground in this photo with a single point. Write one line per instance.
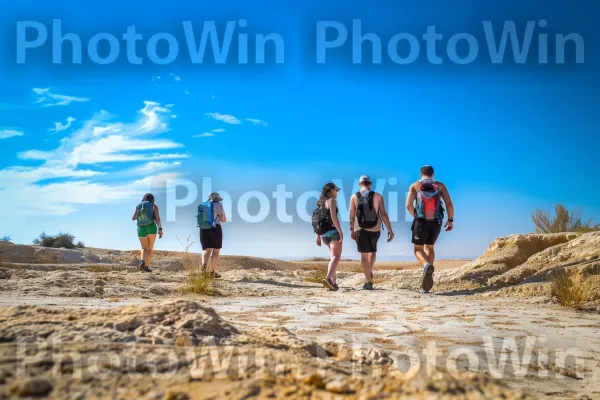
(455, 344)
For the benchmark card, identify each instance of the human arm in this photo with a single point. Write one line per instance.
(221, 213)
(380, 205)
(332, 203)
(410, 200)
(158, 221)
(134, 215)
(352, 215)
(318, 240)
(449, 207)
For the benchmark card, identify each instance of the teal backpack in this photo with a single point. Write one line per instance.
(145, 213)
(206, 215)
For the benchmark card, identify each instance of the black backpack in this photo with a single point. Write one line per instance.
(365, 211)
(321, 221)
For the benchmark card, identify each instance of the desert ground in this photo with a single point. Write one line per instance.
(85, 324)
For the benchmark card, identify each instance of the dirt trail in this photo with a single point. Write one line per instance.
(472, 337)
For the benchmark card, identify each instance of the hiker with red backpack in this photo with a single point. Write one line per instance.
(148, 225)
(367, 212)
(211, 215)
(326, 225)
(424, 203)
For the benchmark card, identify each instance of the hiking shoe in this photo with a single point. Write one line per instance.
(427, 280)
(214, 275)
(145, 268)
(336, 287)
(142, 265)
(328, 283)
(368, 286)
(204, 271)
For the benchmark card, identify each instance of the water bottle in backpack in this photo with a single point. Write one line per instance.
(145, 213)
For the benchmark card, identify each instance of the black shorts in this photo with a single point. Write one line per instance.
(211, 238)
(366, 241)
(425, 232)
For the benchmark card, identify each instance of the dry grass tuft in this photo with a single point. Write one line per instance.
(318, 274)
(572, 288)
(196, 281)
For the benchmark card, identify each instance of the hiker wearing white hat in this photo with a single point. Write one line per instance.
(367, 212)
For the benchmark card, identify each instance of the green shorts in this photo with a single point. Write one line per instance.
(144, 231)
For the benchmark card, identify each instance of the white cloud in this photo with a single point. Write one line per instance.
(177, 78)
(205, 134)
(218, 130)
(49, 99)
(187, 92)
(229, 119)
(257, 121)
(59, 126)
(9, 133)
(99, 144)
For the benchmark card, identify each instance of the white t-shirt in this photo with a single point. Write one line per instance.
(218, 210)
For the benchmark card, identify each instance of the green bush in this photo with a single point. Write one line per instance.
(5, 238)
(60, 241)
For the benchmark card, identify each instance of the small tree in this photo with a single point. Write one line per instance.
(563, 221)
(5, 238)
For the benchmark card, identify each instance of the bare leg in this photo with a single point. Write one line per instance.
(430, 252)
(335, 249)
(214, 258)
(372, 259)
(151, 241)
(422, 257)
(365, 262)
(145, 246)
(206, 256)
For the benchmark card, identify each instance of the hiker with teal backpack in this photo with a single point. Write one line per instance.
(148, 226)
(211, 215)
(326, 225)
(424, 203)
(367, 216)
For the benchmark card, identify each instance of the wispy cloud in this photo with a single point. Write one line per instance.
(205, 134)
(84, 169)
(49, 99)
(218, 130)
(9, 133)
(257, 121)
(59, 126)
(187, 92)
(229, 119)
(177, 78)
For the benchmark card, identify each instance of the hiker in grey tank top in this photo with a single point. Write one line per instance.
(367, 211)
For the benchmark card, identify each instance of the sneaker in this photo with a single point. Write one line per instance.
(145, 268)
(328, 283)
(204, 271)
(142, 265)
(427, 280)
(214, 274)
(336, 287)
(368, 286)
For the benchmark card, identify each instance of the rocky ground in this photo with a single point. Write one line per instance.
(84, 324)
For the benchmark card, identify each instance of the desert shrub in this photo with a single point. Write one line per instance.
(5, 238)
(196, 281)
(317, 275)
(572, 288)
(563, 220)
(60, 241)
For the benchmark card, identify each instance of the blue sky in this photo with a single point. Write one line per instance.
(81, 144)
